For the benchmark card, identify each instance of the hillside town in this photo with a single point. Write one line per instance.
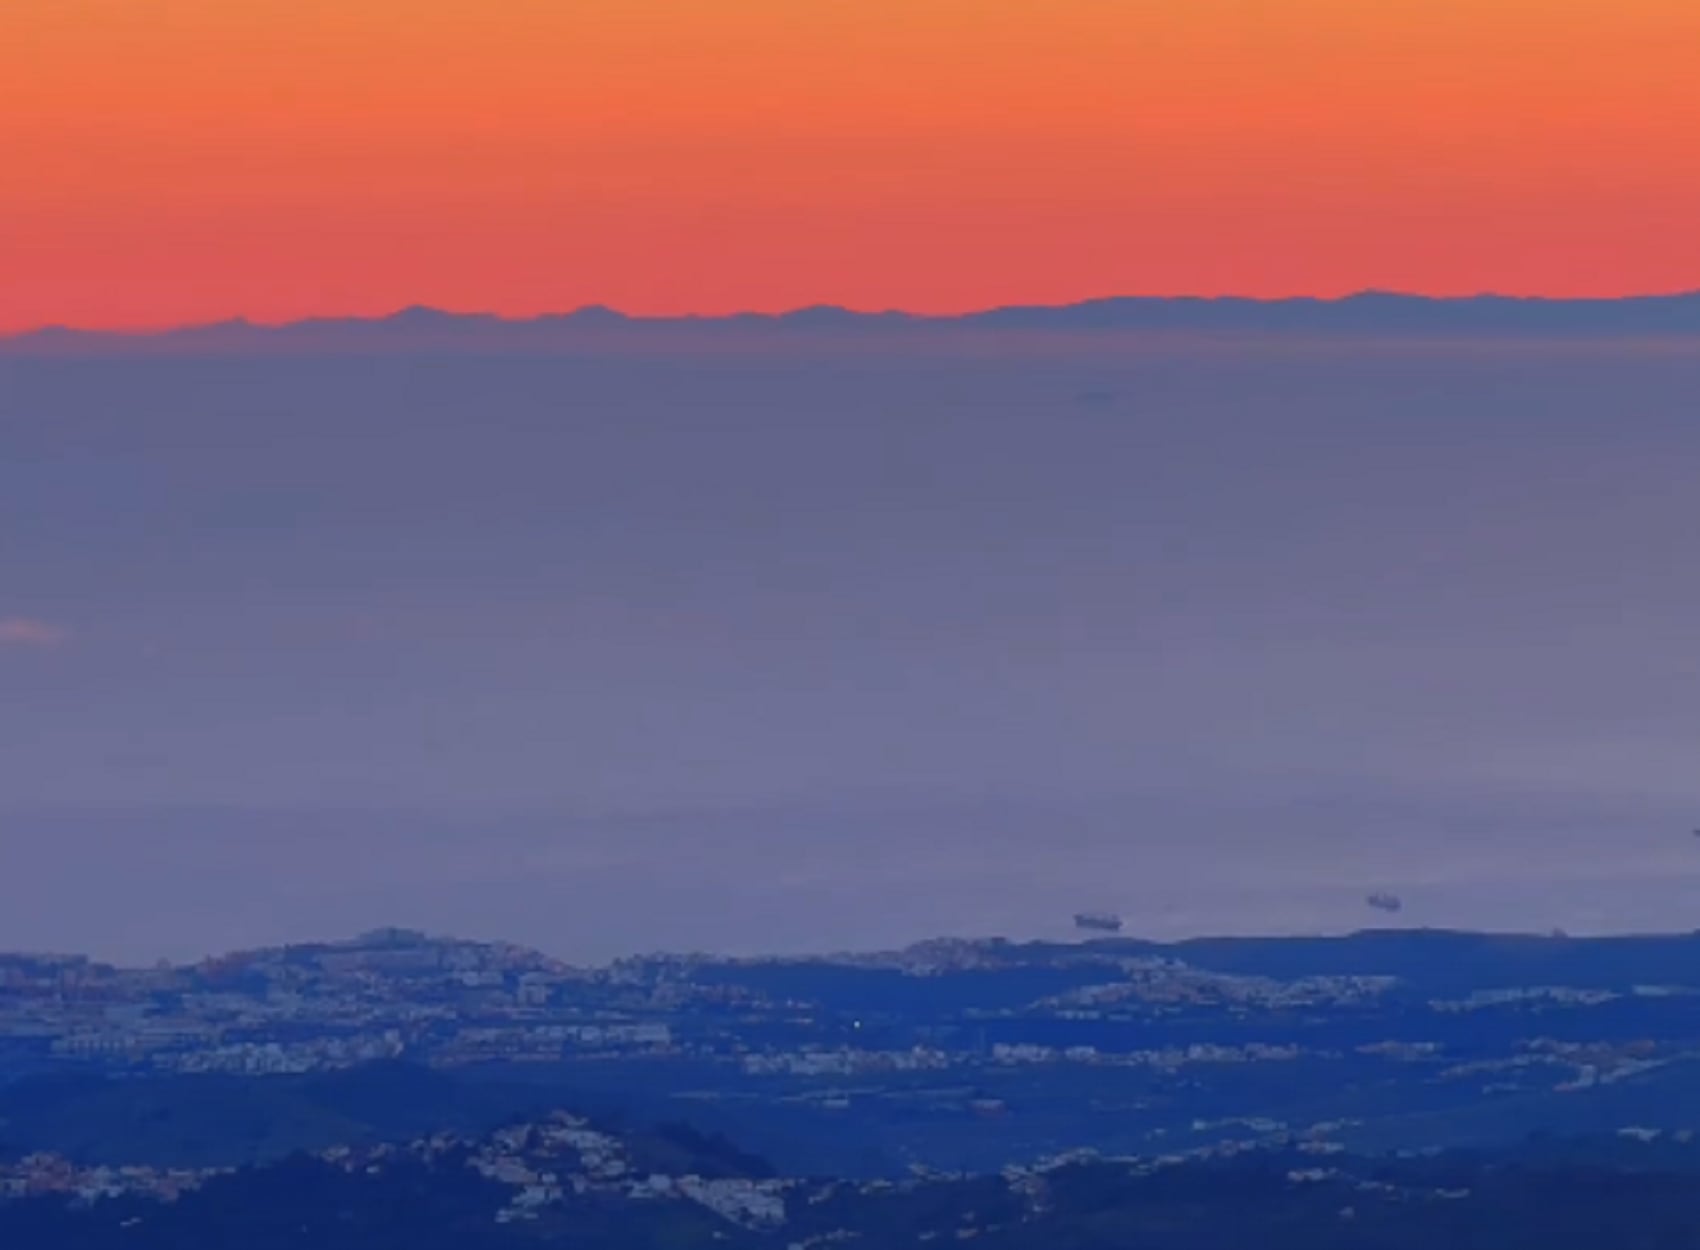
(394, 992)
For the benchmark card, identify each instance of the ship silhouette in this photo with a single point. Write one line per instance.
(1098, 921)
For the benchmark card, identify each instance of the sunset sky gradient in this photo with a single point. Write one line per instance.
(171, 161)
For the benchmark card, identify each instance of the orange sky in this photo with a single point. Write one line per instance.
(164, 161)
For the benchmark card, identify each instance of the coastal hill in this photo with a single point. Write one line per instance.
(960, 1055)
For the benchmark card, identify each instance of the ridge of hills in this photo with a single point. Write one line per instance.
(218, 1120)
(1366, 312)
(561, 1181)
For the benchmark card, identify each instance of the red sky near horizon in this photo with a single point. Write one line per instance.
(172, 161)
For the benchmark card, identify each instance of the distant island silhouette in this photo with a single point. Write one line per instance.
(1367, 312)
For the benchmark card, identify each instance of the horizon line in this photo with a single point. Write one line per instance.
(612, 316)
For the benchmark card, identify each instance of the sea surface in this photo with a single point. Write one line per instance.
(799, 652)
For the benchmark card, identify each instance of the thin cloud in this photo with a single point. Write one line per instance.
(22, 631)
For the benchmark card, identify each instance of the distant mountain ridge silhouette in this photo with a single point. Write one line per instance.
(1366, 312)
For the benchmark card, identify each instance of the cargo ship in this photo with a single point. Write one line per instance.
(1098, 921)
